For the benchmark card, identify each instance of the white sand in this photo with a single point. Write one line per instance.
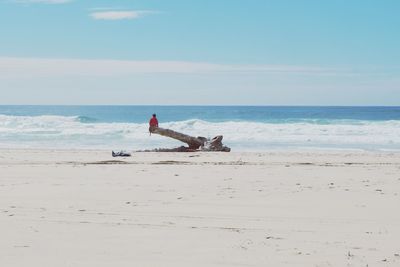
(200, 209)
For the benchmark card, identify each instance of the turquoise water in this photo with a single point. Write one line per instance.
(245, 128)
(140, 114)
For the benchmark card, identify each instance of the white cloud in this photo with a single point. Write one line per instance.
(118, 15)
(38, 67)
(81, 81)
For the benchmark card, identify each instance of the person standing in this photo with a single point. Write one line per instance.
(153, 123)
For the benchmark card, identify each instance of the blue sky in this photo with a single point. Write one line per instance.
(251, 52)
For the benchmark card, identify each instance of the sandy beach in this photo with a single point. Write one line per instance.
(85, 208)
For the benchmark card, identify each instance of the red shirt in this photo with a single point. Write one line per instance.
(153, 122)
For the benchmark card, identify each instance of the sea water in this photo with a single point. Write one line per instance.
(245, 128)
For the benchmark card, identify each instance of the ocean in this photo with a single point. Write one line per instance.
(245, 128)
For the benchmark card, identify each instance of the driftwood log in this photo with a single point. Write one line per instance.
(194, 143)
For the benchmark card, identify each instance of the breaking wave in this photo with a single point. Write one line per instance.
(84, 132)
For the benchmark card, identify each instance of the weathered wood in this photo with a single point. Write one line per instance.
(215, 144)
(177, 149)
(194, 143)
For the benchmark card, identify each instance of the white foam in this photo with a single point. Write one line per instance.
(70, 132)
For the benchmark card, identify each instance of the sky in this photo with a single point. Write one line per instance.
(200, 52)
